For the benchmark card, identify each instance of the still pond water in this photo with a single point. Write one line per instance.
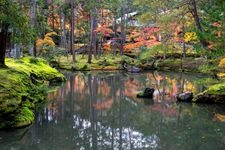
(100, 111)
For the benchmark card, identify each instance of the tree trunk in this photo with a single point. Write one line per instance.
(63, 24)
(72, 31)
(91, 40)
(164, 51)
(123, 35)
(183, 31)
(53, 18)
(115, 33)
(35, 49)
(95, 25)
(33, 24)
(3, 41)
(197, 22)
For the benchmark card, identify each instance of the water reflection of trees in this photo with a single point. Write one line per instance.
(100, 118)
(101, 112)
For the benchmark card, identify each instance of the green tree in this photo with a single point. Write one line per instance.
(213, 22)
(14, 22)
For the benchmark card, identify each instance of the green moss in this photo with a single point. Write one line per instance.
(218, 89)
(37, 66)
(22, 85)
(208, 69)
(188, 65)
(80, 66)
(24, 118)
(207, 81)
(157, 51)
(169, 64)
(214, 94)
(105, 62)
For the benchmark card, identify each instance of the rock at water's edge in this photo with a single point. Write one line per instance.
(148, 93)
(185, 97)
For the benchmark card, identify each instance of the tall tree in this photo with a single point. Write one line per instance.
(72, 30)
(93, 27)
(123, 22)
(33, 50)
(213, 22)
(195, 14)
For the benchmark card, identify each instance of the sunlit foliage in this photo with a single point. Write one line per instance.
(46, 43)
(190, 37)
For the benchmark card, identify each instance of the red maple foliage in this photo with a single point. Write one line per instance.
(143, 37)
(104, 30)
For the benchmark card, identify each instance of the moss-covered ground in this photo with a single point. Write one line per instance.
(23, 83)
(105, 62)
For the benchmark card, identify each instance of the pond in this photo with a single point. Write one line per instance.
(100, 111)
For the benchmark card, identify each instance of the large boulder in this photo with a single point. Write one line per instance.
(185, 97)
(147, 93)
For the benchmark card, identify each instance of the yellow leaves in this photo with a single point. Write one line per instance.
(221, 75)
(39, 43)
(47, 41)
(50, 34)
(190, 37)
(188, 23)
(222, 63)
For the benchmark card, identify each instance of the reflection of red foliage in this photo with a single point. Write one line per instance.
(79, 84)
(105, 105)
(164, 110)
(104, 88)
(131, 88)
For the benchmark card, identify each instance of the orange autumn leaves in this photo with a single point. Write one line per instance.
(103, 30)
(46, 41)
(143, 37)
(136, 38)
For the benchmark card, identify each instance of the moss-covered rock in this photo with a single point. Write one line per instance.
(22, 85)
(214, 94)
(24, 118)
(37, 66)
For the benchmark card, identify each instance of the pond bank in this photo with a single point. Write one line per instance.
(115, 62)
(23, 84)
(105, 62)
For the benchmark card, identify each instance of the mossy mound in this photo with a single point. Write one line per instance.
(36, 66)
(214, 94)
(22, 85)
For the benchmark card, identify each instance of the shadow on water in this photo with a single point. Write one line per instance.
(100, 111)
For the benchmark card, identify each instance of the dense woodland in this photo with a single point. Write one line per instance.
(37, 36)
(45, 28)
